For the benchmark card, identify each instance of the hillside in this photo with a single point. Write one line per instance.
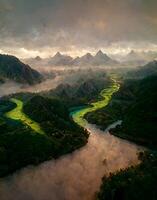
(13, 69)
(83, 91)
(143, 71)
(135, 104)
(21, 146)
(133, 183)
(139, 122)
(86, 60)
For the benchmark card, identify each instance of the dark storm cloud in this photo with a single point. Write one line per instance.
(82, 23)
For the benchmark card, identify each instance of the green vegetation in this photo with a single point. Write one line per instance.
(17, 114)
(85, 90)
(20, 146)
(135, 103)
(149, 69)
(139, 122)
(34, 128)
(13, 69)
(106, 94)
(132, 184)
(38, 130)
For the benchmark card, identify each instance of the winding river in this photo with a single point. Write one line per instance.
(76, 176)
(18, 114)
(106, 95)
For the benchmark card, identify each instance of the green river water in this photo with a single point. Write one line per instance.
(17, 114)
(77, 115)
(106, 94)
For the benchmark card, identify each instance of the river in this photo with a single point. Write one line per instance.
(76, 176)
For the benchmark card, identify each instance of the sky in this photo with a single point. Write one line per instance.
(42, 27)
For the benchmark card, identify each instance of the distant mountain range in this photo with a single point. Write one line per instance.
(139, 58)
(143, 71)
(83, 90)
(60, 59)
(100, 59)
(11, 68)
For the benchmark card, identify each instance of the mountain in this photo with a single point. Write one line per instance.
(60, 60)
(87, 59)
(38, 58)
(20, 145)
(139, 121)
(139, 58)
(139, 126)
(143, 71)
(13, 69)
(133, 55)
(135, 105)
(99, 59)
(81, 92)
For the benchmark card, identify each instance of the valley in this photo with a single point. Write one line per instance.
(102, 154)
(17, 114)
(78, 100)
(106, 95)
(84, 120)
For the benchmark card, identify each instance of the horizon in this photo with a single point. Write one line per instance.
(41, 28)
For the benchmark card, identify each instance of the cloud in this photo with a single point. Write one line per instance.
(83, 23)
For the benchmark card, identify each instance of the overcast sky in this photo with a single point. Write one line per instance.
(42, 27)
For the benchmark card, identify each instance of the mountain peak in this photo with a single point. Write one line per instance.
(100, 53)
(58, 54)
(38, 58)
(88, 54)
(132, 52)
(18, 71)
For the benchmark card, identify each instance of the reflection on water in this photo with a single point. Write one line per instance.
(76, 176)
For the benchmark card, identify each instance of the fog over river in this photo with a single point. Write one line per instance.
(76, 176)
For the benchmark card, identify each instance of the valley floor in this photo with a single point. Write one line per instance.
(74, 176)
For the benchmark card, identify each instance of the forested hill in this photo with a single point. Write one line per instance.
(85, 90)
(136, 104)
(20, 145)
(13, 69)
(144, 71)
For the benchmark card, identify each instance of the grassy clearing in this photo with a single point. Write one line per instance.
(17, 114)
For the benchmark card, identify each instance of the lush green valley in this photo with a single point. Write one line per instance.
(83, 91)
(135, 104)
(11, 68)
(38, 127)
(17, 114)
(21, 141)
(106, 95)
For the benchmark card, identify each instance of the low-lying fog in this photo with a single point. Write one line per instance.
(53, 77)
(76, 176)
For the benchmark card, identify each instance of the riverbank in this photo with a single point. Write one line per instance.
(106, 95)
(74, 176)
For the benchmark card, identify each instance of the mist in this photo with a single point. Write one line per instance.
(53, 77)
(44, 27)
(74, 176)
